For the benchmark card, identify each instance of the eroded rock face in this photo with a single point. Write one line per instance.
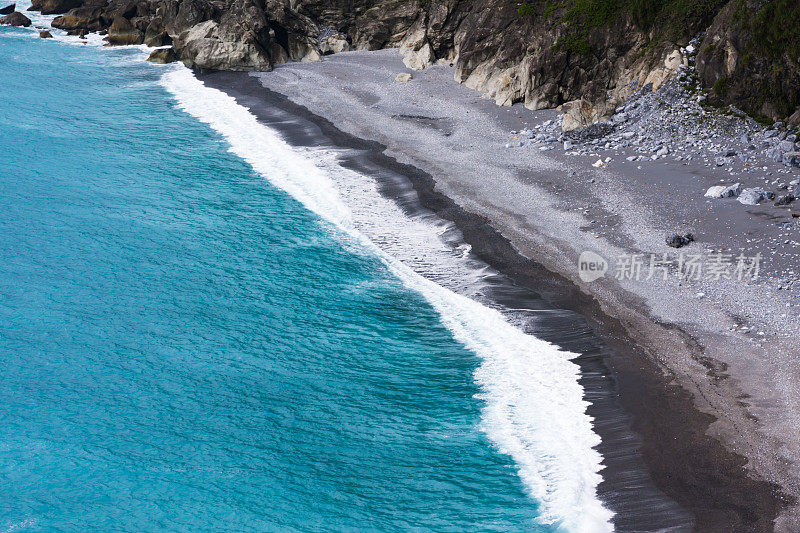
(82, 18)
(156, 34)
(211, 46)
(748, 58)
(531, 57)
(123, 32)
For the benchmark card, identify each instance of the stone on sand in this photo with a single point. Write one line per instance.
(677, 240)
(403, 77)
(754, 196)
(724, 191)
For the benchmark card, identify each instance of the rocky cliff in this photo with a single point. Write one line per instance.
(544, 53)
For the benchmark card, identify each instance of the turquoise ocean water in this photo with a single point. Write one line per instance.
(184, 346)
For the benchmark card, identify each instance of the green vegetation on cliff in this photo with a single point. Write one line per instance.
(767, 35)
(677, 20)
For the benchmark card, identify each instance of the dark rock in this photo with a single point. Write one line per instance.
(54, 7)
(44, 34)
(785, 200)
(8, 9)
(595, 131)
(163, 55)
(678, 241)
(180, 16)
(155, 34)
(16, 19)
(122, 32)
(88, 18)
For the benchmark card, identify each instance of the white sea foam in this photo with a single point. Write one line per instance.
(534, 408)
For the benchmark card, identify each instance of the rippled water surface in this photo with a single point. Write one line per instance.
(185, 347)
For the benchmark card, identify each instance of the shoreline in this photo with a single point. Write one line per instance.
(695, 381)
(609, 369)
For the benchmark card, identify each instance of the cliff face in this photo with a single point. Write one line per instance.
(750, 58)
(543, 53)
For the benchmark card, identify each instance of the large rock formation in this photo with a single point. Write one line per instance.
(16, 19)
(54, 7)
(538, 52)
(750, 58)
(122, 32)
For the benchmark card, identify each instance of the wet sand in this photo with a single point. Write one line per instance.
(656, 394)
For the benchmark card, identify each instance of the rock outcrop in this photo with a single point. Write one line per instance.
(750, 58)
(16, 19)
(163, 55)
(54, 7)
(7, 10)
(540, 53)
(122, 32)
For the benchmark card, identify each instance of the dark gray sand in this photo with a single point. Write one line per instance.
(704, 372)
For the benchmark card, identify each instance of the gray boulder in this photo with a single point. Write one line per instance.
(754, 196)
(791, 158)
(208, 46)
(724, 191)
(578, 115)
